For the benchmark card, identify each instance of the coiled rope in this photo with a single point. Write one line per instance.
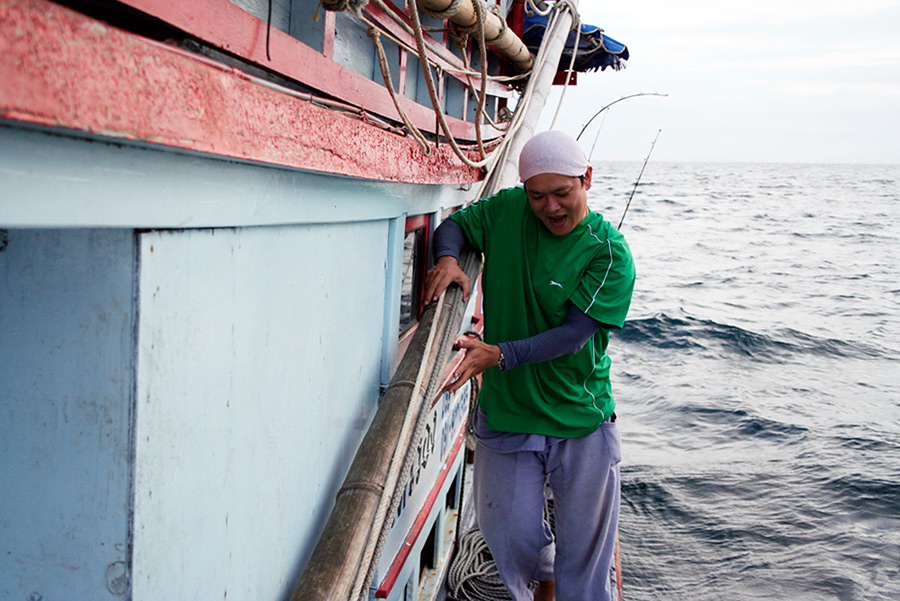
(473, 575)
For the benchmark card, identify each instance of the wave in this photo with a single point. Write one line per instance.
(665, 332)
(742, 424)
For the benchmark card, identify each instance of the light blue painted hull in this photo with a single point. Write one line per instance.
(192, 351)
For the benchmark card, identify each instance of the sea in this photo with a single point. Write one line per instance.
(757, 380)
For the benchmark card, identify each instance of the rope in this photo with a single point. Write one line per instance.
(389, 84)
(460, 35)
(467, 73)
(482, 50)
(413, 422)
(491, 182)
(473, 575)
(439, 350)
(413, 9)
(446, 66)
(533, 8)
(495, 8)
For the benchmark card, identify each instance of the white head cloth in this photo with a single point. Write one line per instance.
(552, 152)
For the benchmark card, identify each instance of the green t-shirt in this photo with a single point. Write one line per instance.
(530, 275)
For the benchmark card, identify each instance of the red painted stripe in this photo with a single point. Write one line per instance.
(394, 571)
(60, 68)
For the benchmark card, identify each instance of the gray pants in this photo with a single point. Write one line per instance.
(583, 473)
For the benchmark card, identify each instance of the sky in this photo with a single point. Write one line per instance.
(784, 81)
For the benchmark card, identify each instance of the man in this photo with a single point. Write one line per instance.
(557, 277)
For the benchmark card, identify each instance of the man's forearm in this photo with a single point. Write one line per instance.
(566, 339)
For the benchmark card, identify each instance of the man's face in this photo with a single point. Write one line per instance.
(559, 201)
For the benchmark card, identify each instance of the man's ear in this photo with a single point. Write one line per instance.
(587, 178)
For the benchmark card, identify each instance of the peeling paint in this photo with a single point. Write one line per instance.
(62, 68)
(117, 578)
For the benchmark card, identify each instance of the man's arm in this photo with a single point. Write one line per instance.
(567, 338)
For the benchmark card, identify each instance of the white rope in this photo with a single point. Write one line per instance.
(493, 180)
(473, 574)
(413, 10)
(398, 467)
(482, 51)
(543, 12)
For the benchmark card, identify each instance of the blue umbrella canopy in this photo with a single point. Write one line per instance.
(596, 50)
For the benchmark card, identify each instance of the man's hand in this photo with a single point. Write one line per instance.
(478, 357)
(444, 273)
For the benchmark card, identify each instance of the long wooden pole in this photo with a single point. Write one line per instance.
(338, 557)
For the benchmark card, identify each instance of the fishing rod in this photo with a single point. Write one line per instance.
(637, 181)
(578, 137)
(597, 137)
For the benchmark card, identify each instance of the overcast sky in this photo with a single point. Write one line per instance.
(806, 81)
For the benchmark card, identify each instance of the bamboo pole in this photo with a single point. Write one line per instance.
(339, 555)
(496, 33)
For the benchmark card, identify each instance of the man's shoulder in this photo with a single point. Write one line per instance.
(514, 194)
(494, 209)
(602, 230)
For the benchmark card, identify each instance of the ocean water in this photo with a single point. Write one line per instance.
(758, 380)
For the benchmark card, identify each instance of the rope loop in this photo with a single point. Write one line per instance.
(445, 14)
(461, 33)
(562, 5)
(495, 8)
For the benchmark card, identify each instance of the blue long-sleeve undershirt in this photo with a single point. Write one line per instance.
(567, 338)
